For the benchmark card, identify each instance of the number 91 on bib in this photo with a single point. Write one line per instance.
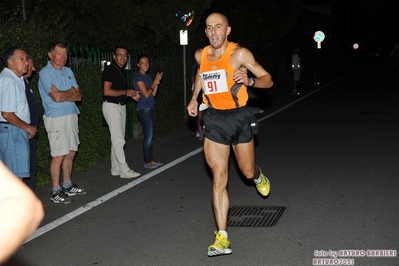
(214, 81)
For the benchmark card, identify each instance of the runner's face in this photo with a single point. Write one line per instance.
(120, 57)
(217, 30)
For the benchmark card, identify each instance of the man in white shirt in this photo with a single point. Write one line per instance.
(15, 127)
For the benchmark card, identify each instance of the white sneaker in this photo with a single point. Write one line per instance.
(129, 174)
(115, 173)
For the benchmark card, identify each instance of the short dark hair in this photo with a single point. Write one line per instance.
(55, 44)
(10, 53)
(119, 47)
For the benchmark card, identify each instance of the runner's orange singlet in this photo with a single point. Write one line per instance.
(220, 90)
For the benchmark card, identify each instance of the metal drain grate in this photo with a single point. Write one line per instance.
(254, 216)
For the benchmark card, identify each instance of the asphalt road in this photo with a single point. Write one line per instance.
(331, 155)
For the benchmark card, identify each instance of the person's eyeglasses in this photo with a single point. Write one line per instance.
(122, 55)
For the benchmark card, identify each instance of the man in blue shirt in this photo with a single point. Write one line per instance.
(15, 128)
(59, 92)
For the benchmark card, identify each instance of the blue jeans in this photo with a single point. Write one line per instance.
(147, 118)
(14, 149)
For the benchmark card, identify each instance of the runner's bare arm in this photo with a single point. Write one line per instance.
(244, 57)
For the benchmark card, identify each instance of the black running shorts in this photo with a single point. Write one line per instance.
(230, 126)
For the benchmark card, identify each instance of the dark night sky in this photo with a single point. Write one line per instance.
(372, 23)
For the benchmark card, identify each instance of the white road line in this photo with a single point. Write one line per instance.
(44, 229)
(87, 207)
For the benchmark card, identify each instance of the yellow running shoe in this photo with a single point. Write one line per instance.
(220, 247)
(264, 185)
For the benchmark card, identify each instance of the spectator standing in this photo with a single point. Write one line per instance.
(34, 118)
(115, 94)
(142, 82)
(228, 121)
(59, 92)
(296, 69)
(15, 128)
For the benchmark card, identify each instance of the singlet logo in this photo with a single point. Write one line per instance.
(206, 76)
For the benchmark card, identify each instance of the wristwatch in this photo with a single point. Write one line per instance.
(253, 81)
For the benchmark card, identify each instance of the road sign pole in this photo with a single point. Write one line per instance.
(184, 42)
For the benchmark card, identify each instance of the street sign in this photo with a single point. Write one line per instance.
(183, 37)
(319, 37)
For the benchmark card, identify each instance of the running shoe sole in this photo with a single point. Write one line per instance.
(217, 252)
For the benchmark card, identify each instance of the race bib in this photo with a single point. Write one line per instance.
(214, 81)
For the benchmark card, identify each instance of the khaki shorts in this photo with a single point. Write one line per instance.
(62, 133)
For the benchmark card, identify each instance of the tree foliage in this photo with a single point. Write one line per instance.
(33, 34)
(134, 23)
(152, 23)
(260, 24)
